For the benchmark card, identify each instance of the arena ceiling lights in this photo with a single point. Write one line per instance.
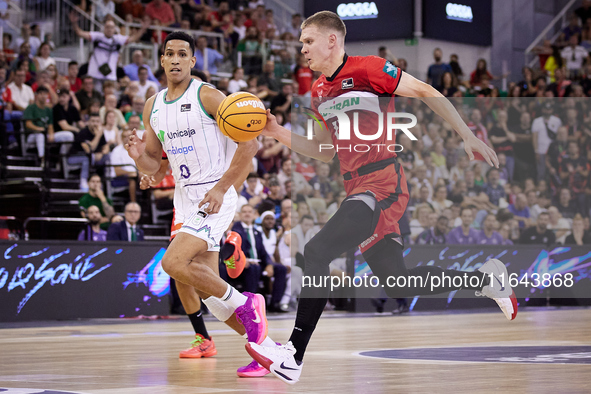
(371, 20)
(357, 10)
(459, 12)
(465, 21)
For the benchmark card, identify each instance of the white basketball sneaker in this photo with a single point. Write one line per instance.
(279, 360)
(498, 288)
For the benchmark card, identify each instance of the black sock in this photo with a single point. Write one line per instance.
(309, 310)
(300, 337)
(198, 323)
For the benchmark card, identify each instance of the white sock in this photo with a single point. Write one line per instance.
(268, 342)
(219, 309)
(234, 298)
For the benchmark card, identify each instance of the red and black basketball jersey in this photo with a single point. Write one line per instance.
(357, 85)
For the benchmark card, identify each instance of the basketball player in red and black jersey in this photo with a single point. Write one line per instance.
(375, 183)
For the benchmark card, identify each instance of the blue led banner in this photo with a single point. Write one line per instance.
(534, 271)
(49, 280)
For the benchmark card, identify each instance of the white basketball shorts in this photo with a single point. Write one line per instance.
(191, 219)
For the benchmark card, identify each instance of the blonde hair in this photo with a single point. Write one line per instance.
(327, 20)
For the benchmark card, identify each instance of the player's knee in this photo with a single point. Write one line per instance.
(167, 264)
(170, 264)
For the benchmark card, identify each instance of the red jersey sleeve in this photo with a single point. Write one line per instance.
(7, 95)
(383, 76)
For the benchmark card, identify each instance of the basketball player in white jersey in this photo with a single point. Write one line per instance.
(203, 345)
(180, 120)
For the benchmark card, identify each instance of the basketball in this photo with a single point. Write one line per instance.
(242, 116)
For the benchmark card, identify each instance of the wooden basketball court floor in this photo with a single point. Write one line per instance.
(440, 353)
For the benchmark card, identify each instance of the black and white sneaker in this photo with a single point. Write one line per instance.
(498, 288)
(279, 360)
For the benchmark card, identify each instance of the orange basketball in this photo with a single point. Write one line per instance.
(242, 116)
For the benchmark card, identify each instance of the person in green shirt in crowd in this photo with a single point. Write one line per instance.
(39, 122)
(96, 196)
(137, 108)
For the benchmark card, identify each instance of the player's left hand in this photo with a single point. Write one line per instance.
(215, 198)
(135, 146)
(473, 144)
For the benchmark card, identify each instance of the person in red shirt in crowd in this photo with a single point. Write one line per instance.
(217, 17)
(6, 93)
(270, 155)
(6, 47)
(44, 80)
(574, 172)
(303, 76)
(269, 22)
(503, 139)
(257, 17)
(476, 76)
(6, 108)
(249, 21)
(561, 87)
(163, 194)
(162, 12)
(304, 167)
(7, 96)
(24, 65)
(543, 51)
(134, 8)
(476, 126)
(75, 82)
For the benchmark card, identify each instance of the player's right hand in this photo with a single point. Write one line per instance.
(136, 145)
(473, 144)
(271, 126)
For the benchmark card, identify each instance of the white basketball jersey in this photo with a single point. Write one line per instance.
(197, 151)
